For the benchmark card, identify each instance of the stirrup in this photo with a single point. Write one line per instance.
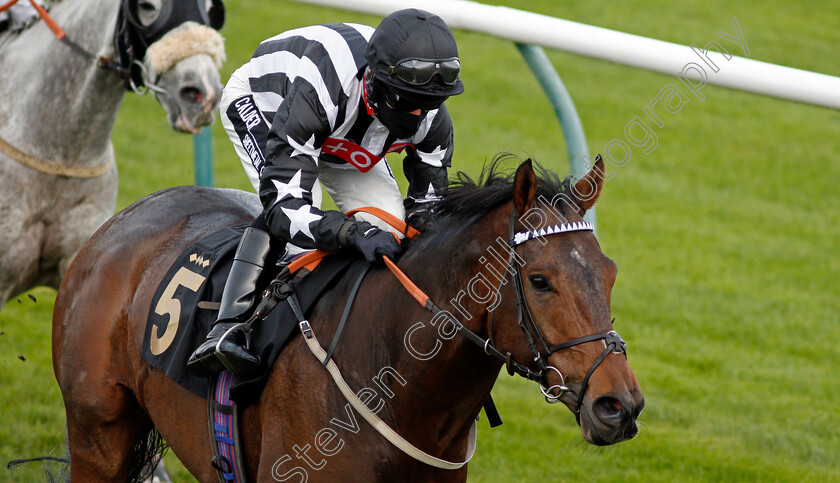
(218, 351)
(210, 358)
(236, 366)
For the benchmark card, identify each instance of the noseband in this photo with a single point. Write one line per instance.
(132, 39)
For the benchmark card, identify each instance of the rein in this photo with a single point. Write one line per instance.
(132, 39)
(130, 43)
(325, 357)
(54, 168)
(102, 62)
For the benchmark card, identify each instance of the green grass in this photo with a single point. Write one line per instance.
(726, 237)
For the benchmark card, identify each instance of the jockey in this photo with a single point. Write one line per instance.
(322, 105)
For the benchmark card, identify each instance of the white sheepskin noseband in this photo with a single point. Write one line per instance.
(185, 41)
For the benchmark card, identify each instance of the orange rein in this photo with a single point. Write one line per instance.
(406, 282)
(7, 6)
(310, 260)
(56, 30)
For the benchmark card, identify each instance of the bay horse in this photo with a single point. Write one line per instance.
(426, 378)
(58, 104)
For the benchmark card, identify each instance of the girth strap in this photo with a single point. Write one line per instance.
(224, 430)
(491, 412)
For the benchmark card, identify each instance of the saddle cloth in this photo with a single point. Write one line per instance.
(177, 323)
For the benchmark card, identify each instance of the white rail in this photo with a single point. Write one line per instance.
(530, 28)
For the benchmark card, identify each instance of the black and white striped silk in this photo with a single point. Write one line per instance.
(307, 86)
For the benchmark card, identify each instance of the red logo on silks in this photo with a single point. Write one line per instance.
(356, 155)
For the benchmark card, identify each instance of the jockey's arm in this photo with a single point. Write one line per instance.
(294, 142)
(425, 166)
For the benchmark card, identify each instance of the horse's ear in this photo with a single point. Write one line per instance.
(588, 188)
(524, 187)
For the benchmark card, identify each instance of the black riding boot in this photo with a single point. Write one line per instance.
(225, 344)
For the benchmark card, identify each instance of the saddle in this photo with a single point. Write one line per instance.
(186, 304)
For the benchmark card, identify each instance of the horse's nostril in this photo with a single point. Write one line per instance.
(607, 407)
(192, 94)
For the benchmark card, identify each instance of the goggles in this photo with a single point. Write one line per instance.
(418, 72)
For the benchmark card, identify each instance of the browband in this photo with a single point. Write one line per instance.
(524, 236)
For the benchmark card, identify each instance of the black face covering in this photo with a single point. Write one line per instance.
(401, 124)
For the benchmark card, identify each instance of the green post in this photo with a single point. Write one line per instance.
(565, 110)
(203, 153)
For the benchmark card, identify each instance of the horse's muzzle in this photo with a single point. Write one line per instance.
(610, 419)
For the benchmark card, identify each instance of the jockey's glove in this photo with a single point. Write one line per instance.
(422, 219)
(371, 241)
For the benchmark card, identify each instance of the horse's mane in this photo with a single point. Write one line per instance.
(468, 198)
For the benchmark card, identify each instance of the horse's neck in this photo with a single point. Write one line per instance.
(446, 390)
(57, 105)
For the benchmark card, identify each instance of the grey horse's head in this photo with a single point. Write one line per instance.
(182, 68)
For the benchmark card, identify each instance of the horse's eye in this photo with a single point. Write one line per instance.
(540, 283)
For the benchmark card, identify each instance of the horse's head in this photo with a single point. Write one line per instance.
(182, 61)
(562, 300)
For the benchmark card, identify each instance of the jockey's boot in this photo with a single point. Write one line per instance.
(225, 344)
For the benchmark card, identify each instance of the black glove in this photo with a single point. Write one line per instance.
(422, 220)
(370, 240)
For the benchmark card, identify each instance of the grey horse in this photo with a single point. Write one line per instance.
(58, 104)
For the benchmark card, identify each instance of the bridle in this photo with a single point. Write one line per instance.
(540, 349)
(281, 291)
(613, 343)
(132, 38)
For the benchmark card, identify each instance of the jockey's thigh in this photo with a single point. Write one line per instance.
(350, 189)
(235, 89)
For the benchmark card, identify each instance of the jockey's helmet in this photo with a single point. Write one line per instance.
(413, 60)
